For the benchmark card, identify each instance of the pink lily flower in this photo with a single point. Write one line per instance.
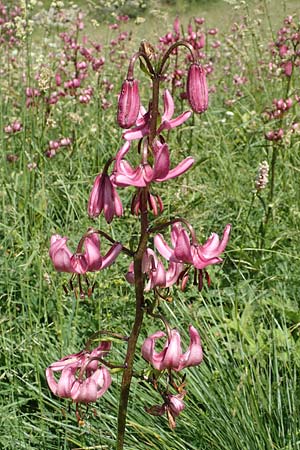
(89, 261)
(144, 174)
(171, 357)
(104, 197)
(142, 125)
(81, 378)
(200, 256)
(157, 275)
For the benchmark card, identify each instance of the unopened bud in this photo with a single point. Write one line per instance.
(129, 104)
(197, 91)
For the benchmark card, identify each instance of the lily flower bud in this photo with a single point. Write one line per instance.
(197, 90)
(129, 104)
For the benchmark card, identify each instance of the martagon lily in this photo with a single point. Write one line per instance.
(200, 256)
(144, 174)
(81, 379)
(81, 262)
(171, 357)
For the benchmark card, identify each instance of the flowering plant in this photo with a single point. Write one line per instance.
(84, 376)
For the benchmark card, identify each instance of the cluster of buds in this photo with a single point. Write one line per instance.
(14, 127)
(280, 107)
(32, 94)
(197, 38)
(75, 65)
(119, 44)
(54, 146)
(274, 135)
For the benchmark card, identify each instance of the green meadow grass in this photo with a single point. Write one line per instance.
(246, 393)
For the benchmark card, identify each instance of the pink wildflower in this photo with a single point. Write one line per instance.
(171, 357)
(82, 379)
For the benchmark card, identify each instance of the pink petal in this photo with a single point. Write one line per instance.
(111, 255)
(95, 203)
(60, 254)
(182, 251)
(168, 106)
(92, 252)
(178, 170)
(65, 382)
(194, 355)
(163, 247)
(162, 163)
(169, 124)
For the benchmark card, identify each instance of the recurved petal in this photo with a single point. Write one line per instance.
(84, 391)
(168, 106)
(169, 124)
(92, 252)
(65, 382)
(173, 352)
(111, 255)
(162, 246)
(95, 203)
(194, 354)
(148, 352)
(181, 168)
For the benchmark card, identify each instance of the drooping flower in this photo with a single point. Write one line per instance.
(144, 174)
(82, 378)
(89, 261)
(200, 256)
(104, 197)
(129, 104)
(171, 357)
(197, 90)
